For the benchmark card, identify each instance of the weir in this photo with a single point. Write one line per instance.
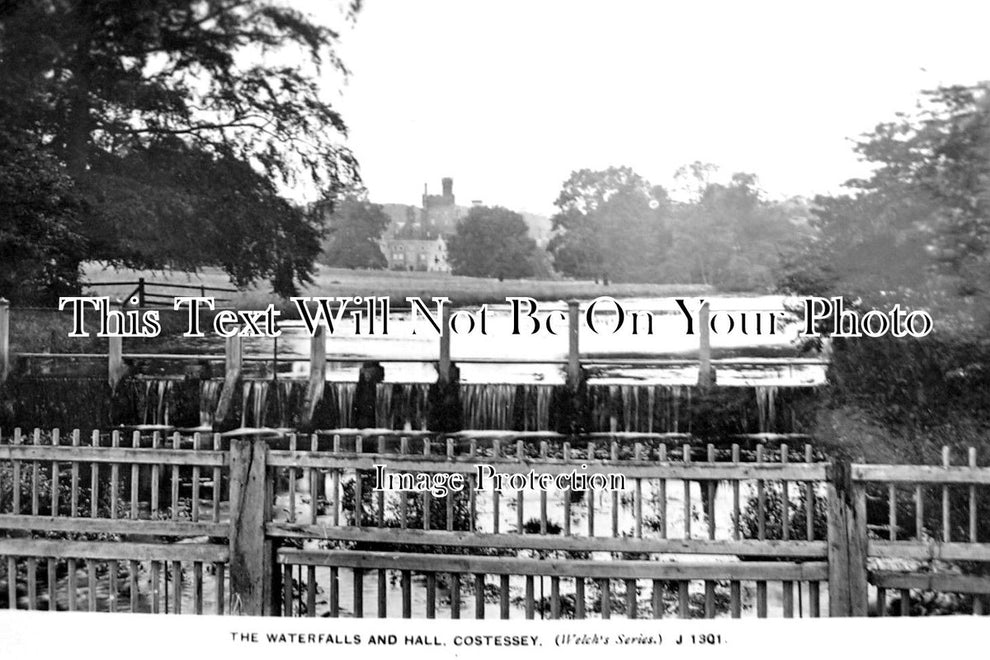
(708, 397)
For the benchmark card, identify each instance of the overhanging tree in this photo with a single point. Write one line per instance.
(179, 122)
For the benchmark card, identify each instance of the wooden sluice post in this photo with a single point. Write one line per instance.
(572, 406)
(317, 375)
(233, 358)
(573, 344)
(705, 374)
(444, 411)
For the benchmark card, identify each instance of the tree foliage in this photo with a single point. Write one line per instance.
(919, 226)
(915, 233)
(355, 229)
(40, 243)
(728, 234)
(609, 223)
(179, 121)
(492, 242)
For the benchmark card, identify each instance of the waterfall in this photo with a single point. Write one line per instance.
(156, 402)
(254, 406)
(343, 394)
(209, 395)
(766, 405)
(401, 405)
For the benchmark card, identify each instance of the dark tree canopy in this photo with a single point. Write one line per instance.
(178, 122)
(492, 242)
(355, 229)
(40, 243)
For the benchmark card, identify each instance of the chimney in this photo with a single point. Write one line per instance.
(448, 186)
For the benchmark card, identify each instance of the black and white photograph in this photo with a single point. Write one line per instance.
(546, 311)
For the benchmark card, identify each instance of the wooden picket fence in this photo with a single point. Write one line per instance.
(269, 523)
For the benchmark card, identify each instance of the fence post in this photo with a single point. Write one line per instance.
(444, 365)
(847, 538)
(251, 553)
(573, 347)
(4, 339)
(704, 348)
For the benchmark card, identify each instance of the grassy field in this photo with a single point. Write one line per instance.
(397, 285)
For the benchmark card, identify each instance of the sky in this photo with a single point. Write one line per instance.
(509, 97)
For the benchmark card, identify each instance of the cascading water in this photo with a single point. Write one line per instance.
(766, 405)
(209, 395)
(254, 406)
(507, 407)
(401, 406)
(156, 402)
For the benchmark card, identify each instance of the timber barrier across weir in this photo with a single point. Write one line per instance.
(273, 523)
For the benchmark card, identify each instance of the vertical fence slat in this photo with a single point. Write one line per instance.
(358, 600)
(632, 610)
(135, 477)
(662, 493)
(589, 496)
(334, 592)
(496, 499)
(112, 580)
(479, 596)
(972, 503)
(686, 453)
(406, 584)
(614, 455)
(54, 477)
(528, 597)
(431, 595)
(567, 495)
(91, 583)
(219, 586)
(336, 484)
(579, 607)
(52, 585)
(605, 587)
(114, 478)
(73, 479)
(176, 444)
(455, 595)
(520, 519)
(94, 482)
(155, 476)
(427, 497)
(194, 505)
(35, 478)
(637, 493)
(946, 519)
(657, 599)
(503, 596)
